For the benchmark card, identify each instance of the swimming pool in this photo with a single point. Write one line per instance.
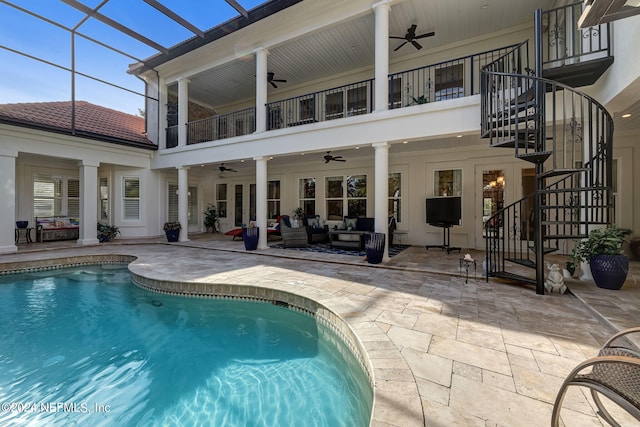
(83, 346)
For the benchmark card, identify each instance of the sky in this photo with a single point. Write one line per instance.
(23, 38)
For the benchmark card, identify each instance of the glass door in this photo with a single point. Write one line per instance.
(238, 206)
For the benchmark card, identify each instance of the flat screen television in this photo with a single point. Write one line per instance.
(444, 211)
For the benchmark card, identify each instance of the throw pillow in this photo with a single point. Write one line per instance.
(350, 223)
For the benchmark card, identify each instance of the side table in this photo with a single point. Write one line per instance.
(466, 263)
(24, 233)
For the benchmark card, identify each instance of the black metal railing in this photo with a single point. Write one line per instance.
(438, 82)
(236, 123)
(569, 136)
(565, 43)
(343, 101)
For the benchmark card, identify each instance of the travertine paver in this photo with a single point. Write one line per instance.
(444, 353)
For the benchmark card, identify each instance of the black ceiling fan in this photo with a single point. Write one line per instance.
(271, 80)
(223, 168)
(329, 158)
(411, 37)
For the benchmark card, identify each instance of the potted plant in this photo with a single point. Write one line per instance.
(172, 230)
(210, 218)
(107, 232)
(603, 250)
(298, 215)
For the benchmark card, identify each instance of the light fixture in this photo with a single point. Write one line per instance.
(458, 136)
(405, 142)
(626, 116)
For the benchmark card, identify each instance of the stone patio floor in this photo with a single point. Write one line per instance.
(444, 352)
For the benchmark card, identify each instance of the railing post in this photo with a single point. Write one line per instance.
(540, 146)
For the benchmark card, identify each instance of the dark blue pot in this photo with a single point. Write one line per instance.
(374, 247)
(22, 224)
(609, 271)
(172, 235)
(250, 238)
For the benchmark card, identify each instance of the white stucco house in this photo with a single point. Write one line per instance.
(243, 115)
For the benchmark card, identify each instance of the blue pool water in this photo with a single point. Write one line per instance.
(84, 346)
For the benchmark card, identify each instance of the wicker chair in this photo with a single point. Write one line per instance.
(292, 237)
(615, 373)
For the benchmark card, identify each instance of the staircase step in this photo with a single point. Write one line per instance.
(511, 143)
(546, 249)
(535, 157)
(564, 236)
(560, 172)
(522, 261)
(516, 277)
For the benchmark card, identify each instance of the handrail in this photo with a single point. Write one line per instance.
(575, 182)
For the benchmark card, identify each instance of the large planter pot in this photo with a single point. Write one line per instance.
(250, 238)
(374, 247)
(609, 271)
(172, 235)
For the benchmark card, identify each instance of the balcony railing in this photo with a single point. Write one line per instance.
(565, 43)
(437, 82)
(342, 101)
(236, 123)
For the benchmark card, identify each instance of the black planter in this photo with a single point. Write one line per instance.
(250, 238)
(172, 235)
(609, 271)
(374, 247)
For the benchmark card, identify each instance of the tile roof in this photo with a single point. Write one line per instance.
(92, 120)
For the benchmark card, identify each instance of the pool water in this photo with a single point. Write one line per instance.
(84, 346)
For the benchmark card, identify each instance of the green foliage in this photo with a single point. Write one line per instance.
(172, 226)
(210, 216)
(107, 232)
(298, 213)
(602, 241)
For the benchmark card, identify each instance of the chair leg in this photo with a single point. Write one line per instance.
(602, 410)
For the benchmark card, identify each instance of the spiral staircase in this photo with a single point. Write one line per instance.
(568, 137)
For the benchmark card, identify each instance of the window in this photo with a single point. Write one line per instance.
(273, 199)
(448, 183)
(334, 107)
(221, 200)
(395, 92)
(192, 204)
(307, 195)
(103, 189)
(449, 82)
(131, 198)
(306, 110)
(73, 197)
(252, 202)
(47, 195)
(355, 197)
(334, 197)
(395, 185)
(357, 101)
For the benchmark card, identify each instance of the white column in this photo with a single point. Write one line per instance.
(183, 202)
(183, 111)
(88, 202)
(381, 10)
(8, 197)
(261, 89)
(381, 197)
(261, 200)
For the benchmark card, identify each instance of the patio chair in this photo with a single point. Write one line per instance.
(292, 237)
(615, 374)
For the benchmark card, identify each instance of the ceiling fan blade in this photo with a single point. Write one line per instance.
(279, 80)
(273, 84)
(339, 160)
(402, 44)
(396, 37)
(416, 44)
(421, 36)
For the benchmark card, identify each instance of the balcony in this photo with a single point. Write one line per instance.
(431, 83)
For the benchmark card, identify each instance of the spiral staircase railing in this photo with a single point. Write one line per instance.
(568, 136)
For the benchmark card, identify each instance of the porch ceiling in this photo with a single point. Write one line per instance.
(349, 45)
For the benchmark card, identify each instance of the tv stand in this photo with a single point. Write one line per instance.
(446, 239)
